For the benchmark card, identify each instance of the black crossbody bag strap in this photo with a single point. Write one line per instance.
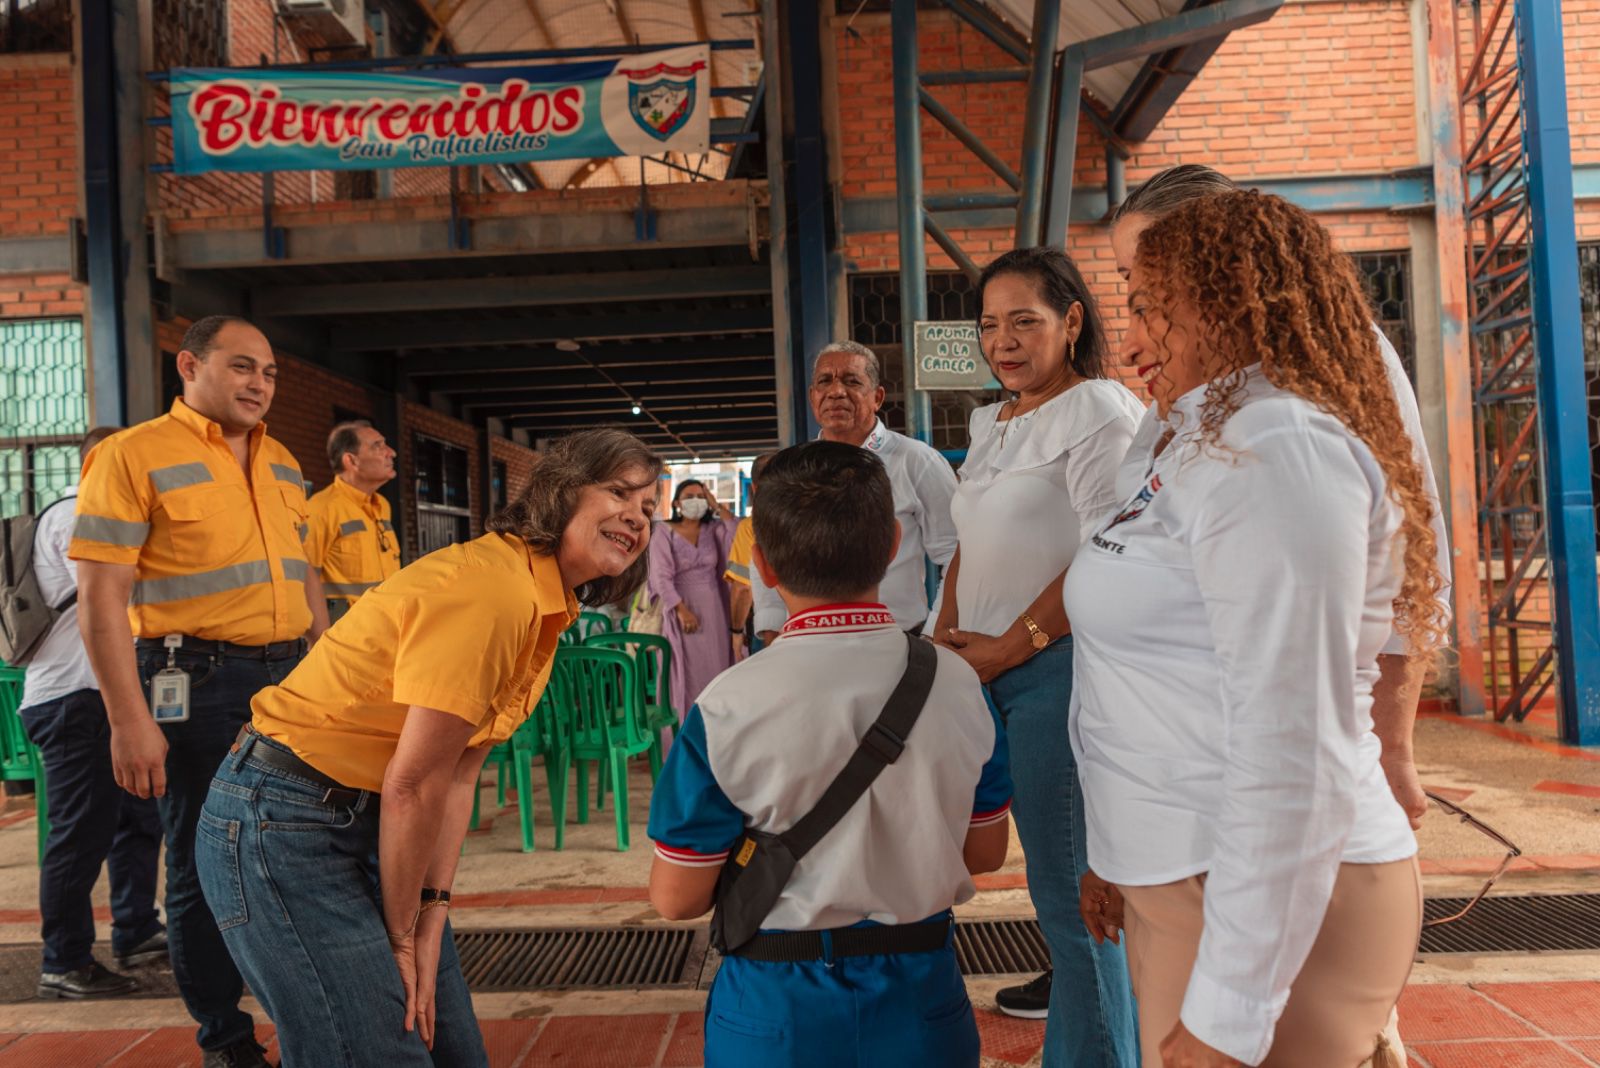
(879, 747)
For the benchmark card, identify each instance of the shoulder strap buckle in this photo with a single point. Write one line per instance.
(883, 743)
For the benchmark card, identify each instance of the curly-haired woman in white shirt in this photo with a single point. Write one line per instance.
(1228, 619)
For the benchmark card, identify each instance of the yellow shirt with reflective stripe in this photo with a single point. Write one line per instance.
(470, 630)
(352, 541)
(215, 555)
(739, 554)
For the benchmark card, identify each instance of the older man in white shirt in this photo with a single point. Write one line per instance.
(846, 393)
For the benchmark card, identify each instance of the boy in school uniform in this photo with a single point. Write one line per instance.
(855, 962)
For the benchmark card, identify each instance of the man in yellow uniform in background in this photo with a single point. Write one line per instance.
(352, 543)
(194, 593)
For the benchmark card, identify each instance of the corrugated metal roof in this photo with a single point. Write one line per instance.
(517, 25)
(1082, 20)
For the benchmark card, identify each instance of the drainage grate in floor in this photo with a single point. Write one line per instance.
(1548, 923)
(1001, 947)
(581, 957)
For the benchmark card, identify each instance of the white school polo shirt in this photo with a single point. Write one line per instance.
(768, 736)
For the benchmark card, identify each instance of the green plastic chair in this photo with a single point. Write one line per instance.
(608, 721)
(552, 719)
(653, 654)
(19, 759)
(586, 626)
(513, 759)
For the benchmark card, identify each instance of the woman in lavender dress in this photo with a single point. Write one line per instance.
(688, 554)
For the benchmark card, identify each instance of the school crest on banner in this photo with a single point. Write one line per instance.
(661, 106)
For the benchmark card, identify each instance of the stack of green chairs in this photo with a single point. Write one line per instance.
(653, 655)
(608, 722)
(19, 760)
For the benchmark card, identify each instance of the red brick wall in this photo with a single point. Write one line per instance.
(1581, 33)
(34, 296)
(519, 463)
(38, 145)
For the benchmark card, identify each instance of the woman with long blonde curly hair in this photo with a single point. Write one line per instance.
(1228, 619)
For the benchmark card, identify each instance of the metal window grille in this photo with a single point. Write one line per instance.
(191, 33)
(43, 411)
(875, 321)
(35, 25)
(1386, 277)
(444, 501)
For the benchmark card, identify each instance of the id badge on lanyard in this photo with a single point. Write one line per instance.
(169, 687)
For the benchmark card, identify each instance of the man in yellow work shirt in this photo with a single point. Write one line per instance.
(188, 538)
(352, 544)
(741, 590)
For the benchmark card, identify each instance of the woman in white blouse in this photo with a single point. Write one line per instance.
(1228, 619)
(1039, 472)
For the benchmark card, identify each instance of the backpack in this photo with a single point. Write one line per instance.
(25, 616)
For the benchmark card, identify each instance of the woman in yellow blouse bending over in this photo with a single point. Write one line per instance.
(337, 918)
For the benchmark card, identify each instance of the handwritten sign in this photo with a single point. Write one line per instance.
(947, 357)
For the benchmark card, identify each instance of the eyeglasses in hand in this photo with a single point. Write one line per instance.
(1512, 853)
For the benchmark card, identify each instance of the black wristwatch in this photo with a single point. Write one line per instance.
(430, 894)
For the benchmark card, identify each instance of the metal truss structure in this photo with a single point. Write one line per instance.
(1535, 504)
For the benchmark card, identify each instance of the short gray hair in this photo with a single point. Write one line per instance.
(1165, 192)
(344, 439)
(855, 348)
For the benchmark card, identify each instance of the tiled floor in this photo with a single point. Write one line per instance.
(1499, 1025)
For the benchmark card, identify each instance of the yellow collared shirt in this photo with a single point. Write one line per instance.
(470, 630)
(215, 555)
(352, 541)
(739, 554)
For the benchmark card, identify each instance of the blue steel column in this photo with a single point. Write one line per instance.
(810, 188)
(908, 191)
(1563, 417)
(786, 355)
(1036, 131)
(102, 215)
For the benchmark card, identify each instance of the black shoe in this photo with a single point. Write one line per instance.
(94, 981)
(151, 949)
(244, 1053)
(1030, 1001)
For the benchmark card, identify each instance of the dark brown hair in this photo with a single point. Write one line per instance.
(826, 521)
(1060, 286)
(1268, 284)
(344, 439)
(541, 514)
(202, 333)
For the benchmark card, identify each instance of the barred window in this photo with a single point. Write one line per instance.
(1386, 276)
(875, 321)
(36, 26)
(43, 411)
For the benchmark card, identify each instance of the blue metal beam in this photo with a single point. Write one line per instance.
(908, 191)
(1185, 28)
(1557, 331)
(103, 216)
(1036, 124)
(809, 176)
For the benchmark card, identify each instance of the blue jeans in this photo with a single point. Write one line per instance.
(93, 822)
(902, 1009)
(294, 886)
(1092, 1020)
(220, 689)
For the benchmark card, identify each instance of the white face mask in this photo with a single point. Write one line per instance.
(694, 507)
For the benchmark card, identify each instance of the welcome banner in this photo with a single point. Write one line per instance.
(238, 119)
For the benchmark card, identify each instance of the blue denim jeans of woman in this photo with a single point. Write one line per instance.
(293, 883)
(1092, 1022)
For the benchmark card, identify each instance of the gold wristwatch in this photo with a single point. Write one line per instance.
(1038, 637)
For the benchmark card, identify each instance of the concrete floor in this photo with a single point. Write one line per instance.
(590, 882)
